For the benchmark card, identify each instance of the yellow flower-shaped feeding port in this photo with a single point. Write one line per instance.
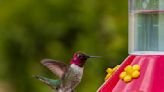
(130, 72)
(110, 71)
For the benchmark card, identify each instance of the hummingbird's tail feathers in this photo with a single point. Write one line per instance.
(50, 82)
(41, 78)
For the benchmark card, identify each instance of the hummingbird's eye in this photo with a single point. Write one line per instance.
(79, 55)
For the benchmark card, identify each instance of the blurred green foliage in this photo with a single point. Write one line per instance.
(31, 30)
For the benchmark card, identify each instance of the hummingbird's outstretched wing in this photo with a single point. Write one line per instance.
(58, 68)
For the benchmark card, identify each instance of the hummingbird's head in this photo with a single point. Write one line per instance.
(80, 58)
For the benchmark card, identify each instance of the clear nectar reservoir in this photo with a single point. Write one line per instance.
(143, 69)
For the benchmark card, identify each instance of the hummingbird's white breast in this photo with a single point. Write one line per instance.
(78, 71)
(76, 68)
(72, 78)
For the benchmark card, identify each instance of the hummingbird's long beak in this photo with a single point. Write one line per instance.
(94, 56)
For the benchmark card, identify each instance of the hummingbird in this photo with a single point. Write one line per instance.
(69, 75)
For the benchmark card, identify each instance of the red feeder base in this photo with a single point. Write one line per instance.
(151, 78)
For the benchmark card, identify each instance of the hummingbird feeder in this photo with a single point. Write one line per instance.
(146, 51)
